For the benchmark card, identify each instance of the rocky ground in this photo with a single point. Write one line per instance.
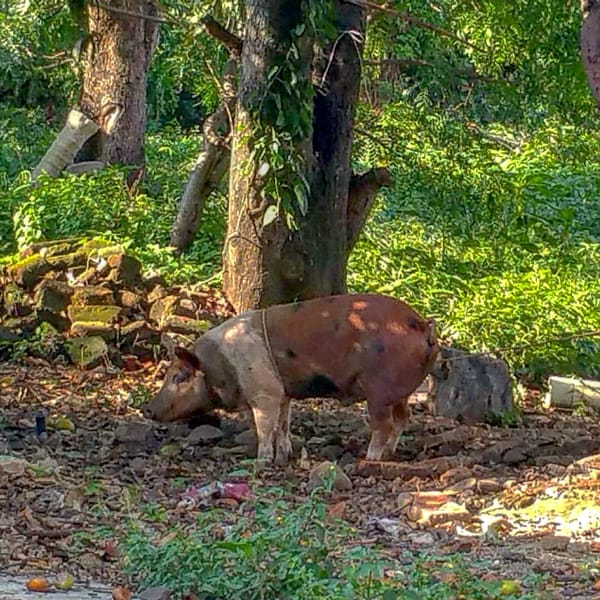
(78, 462)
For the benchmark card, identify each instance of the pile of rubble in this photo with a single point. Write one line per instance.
(92, 296)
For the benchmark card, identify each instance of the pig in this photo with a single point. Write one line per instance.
(352, 346)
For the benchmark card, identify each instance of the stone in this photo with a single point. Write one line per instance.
(106, 315)
(6, 335)
(156, 293)
(488, 486)
(88, 351)
(129, 299)
(16, 302)
(53, 296)
(246, 438)
(186, 308)
(514, 456)
(424, 469)
(470, 387)
(64, 262)
(449, 511)
(52, 248)
(89, 329)
(138, 337)
(332, 452)
(553, 542)
(28, 271)
(204, 434)
(124, 268)
(11, 465)
(134, 432)
(161, 309)
(156, 593)
(323, 471)
(183, 325)
(455, 475)
(22, 326)
(90, 295)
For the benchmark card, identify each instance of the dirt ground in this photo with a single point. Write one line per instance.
(527, 497)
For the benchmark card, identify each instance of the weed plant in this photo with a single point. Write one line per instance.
(278, 549)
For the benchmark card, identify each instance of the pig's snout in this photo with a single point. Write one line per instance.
(147, 411)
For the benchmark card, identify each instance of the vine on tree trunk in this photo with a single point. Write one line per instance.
(282, 111)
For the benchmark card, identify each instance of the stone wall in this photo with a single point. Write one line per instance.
(92, 295)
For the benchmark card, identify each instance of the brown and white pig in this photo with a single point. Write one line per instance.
(354, 347)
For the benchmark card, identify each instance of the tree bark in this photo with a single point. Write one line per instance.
(590, 46)
(117, 55)
(266, 265)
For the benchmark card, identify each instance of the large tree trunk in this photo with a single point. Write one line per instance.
(590, 46)
(117, 55)
(263, 265)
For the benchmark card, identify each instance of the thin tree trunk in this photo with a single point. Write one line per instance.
(117, 56)
(209, 169)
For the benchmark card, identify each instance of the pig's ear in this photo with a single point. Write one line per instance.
(189, 358)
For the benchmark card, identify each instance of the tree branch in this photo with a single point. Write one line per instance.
(228, 39)
(412, 20)
(129, 13)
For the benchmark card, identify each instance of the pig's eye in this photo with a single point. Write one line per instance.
(180, 377)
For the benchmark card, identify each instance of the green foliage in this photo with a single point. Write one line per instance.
(36, 41)
(292, 550)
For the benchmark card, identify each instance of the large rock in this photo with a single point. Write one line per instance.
(470, 387)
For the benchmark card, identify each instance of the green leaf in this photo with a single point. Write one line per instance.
(270, 215)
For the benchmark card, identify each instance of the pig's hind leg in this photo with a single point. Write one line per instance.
(388, 416)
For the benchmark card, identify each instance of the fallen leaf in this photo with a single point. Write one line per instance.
(63, 423)
(38, 584)
(337, 510)
(65, 582)
(121, 593)
(509, 586)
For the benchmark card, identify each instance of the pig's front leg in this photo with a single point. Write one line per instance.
(266, 410)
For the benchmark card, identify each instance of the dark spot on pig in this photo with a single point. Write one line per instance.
(290, 353)
(314, 387)
(330, 300)
(379, 347)
(337, 326)
(414, 323)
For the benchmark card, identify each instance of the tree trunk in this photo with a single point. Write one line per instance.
(210, 167)
(263, 265)
(117, 55)
(77, 130)
(590, 46)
